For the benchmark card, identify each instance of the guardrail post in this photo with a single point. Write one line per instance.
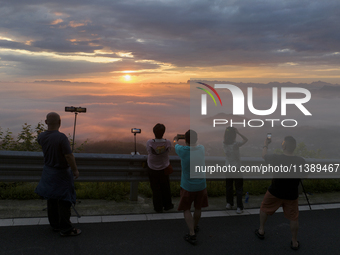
(134, 191)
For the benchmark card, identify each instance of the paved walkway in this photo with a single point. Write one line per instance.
(31, 212)
(151, 216)
(133, 228)
(149, 234)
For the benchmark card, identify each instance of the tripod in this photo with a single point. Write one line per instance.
(303, 188)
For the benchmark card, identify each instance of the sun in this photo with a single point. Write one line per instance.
(127, 77)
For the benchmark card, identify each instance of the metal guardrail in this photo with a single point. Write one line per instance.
(24, 166)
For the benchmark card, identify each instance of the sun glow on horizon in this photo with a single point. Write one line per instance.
(127, 77)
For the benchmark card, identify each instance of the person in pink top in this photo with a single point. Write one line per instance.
(158, 159)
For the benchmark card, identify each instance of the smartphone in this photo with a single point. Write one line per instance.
(269, 137)
(136, 130)
(180, 136)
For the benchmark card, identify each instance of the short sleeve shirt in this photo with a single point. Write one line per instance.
(158, 153)
(197, 152)
(284, 188)
(55, 146)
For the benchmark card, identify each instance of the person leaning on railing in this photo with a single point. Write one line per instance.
(158, 160)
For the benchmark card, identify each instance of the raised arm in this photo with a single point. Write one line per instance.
(265, 147)
(244, 139)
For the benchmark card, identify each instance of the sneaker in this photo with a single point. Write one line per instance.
(239, 210)
(228, 206)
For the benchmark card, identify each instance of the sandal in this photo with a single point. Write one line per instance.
(190, 239)
(294, 248)
(73, 232)
(258, 234)
(197, 229)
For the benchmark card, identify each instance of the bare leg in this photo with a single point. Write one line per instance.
(294, 226)
(197, 216)
(190, 221)
(263, 219)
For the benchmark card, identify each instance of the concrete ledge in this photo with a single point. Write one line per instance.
(43, 221)
(164, 216)
(6, 222)
(90, 219)
(26, 221)
(151, 216)
(120, 218)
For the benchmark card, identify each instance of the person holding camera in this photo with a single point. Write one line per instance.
(193, 185)
(232, 153)
(57, 180)
(158, 160)
(282, 191)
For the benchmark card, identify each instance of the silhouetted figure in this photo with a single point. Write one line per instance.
(57, 180)
(232, 153)
(282, 192)
(158, 159)
(193, 185)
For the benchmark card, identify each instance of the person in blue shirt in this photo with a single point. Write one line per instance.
(193, 184)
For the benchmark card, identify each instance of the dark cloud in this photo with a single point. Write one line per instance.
(14, 45)
(66, 46)
(45, 67)
(183, 33)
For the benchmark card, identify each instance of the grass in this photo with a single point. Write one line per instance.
(119, 191)
(102, 190)
(321, 186)
(18, 190)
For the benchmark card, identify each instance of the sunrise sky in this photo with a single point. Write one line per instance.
(128, 62)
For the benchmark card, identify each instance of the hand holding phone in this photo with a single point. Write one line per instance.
(269, 137)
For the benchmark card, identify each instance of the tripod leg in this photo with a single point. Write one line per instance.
(76, 211)
(303, 188)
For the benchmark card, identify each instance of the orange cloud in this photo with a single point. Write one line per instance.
(57, 21)
(75, 24)
(148, 103)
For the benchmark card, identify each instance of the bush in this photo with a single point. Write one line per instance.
(26, 139)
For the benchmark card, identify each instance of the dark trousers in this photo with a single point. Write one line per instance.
(59, 213)
(160, 186)
(230, 191)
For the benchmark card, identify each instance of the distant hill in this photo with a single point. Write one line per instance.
(113, 147)
(116, 147)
